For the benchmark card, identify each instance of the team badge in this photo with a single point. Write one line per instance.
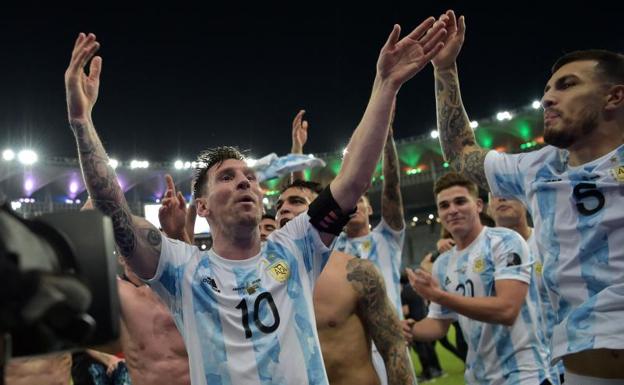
(279, 271)
(513, 259)
(479, 265)
(366, 246)
(539, 268)
(618, 173)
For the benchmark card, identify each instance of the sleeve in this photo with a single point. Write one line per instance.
(168, 280)
(394, 238)
(303, 241)
(511, 257)
(504, 176)
(435, 310)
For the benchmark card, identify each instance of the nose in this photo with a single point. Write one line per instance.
(547, 100)
(243, 183)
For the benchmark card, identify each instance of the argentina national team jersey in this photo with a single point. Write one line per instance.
(382, 246)
(248, 322)
(497, 354)
(579, 230)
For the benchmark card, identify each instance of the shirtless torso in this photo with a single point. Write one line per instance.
(153, 347)
(50, 370)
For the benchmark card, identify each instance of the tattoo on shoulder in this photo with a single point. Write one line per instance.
(473, 166)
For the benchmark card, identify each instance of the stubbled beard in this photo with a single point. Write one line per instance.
(569, 134)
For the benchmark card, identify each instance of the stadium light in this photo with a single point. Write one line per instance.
(536, 104)
(178, 164)
(29, 185)
(8, 155)
(27, 157)
(73, 187)
(474, 124)
(265, 200)
(504, 115)
(431, 216)
(139, 164)
(16, 205)
(434, 134)
(415, 219)
(113, 163)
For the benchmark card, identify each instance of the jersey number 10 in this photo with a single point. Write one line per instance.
(242, 305)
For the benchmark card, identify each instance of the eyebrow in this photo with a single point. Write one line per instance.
(561, 80)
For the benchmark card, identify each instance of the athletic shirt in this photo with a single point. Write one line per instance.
(547, 314)
(497, 354)
(579, 230)
(248, 321)
(382, 246)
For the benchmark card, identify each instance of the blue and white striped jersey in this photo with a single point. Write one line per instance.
(248, 321)
(547, 314)
(382, 246)
(579, 230)
(497, 354)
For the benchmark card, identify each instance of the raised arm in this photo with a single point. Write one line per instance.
(391, 200)
(456, 136)
(299, 139)
(172, 213)
(138, 240)
(398, 61)
(380, 319)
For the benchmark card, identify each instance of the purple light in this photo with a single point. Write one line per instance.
(29, 185)
(73, 187)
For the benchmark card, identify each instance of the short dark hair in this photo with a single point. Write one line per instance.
(610, 64)
(315, 187)
(268, 216)
(206, 160)
(452, 179)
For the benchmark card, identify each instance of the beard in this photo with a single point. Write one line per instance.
(569, 133)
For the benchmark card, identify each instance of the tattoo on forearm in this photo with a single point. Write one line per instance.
(380, 319)
(104, 190)
(391, 201)
(456, 137)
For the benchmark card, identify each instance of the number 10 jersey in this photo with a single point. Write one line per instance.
(248, 321)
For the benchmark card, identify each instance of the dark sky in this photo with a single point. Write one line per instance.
(182, 77)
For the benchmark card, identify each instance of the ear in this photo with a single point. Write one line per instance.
(202, 207)
(369, 210)
(479, 205)
(615, 98)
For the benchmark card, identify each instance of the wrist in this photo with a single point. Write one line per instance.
(440, 69)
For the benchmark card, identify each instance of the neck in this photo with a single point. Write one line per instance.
(464, 240)
(238, 244)
(357, 231)
(520, 228)
(601, 141)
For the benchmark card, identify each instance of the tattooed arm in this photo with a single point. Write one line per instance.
(138, 240)
(391, 200)
(380, 319)
(456, 137)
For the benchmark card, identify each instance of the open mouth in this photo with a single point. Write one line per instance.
(246, 199)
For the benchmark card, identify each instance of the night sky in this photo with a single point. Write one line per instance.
(183, 77)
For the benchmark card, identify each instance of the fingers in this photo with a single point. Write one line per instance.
(419, 31)
(170, 184)
(181, 200)
(435, 41)
(461, 28)
(431, 54)
(298, 118)
(451, 24)
(304, 125)
(433, 35)
(411, 276)
(95, 69)
(394, 36)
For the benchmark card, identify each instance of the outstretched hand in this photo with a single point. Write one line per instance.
(82, 89)
(299, 133)
(424, 284)
(400, 60)
(172, 212)
(456, 32)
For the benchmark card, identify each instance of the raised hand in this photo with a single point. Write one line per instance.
(424, 284)
(172, 212)
(82, 89)
(299, 133)
(456, 32)
(400, 60)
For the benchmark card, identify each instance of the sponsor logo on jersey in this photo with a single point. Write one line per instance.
(279, 270)
(479, 265)
(212, 283)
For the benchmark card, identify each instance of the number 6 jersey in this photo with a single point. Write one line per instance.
(247, 321)
(497, 354)
(578, 214)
